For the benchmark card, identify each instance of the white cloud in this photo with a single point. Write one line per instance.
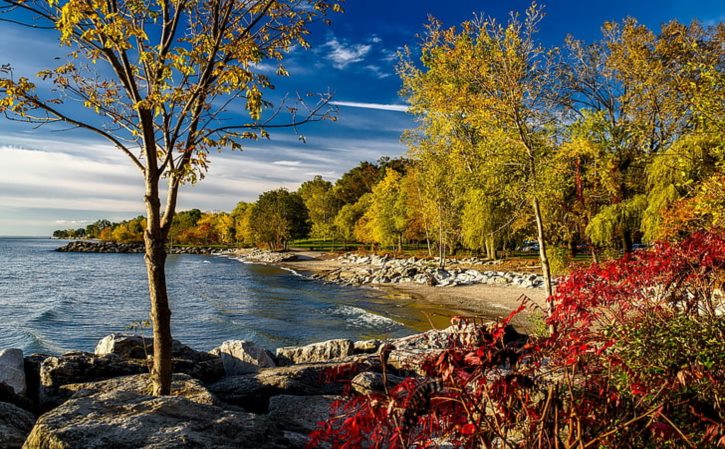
(343, 54)
(375, 39)
(377, 71)
(72, 222)
(288, 163)
(379, 106)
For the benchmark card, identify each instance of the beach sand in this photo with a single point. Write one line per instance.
(442, 303)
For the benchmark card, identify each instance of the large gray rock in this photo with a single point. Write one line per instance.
(367, 346)
(138, 347)
(409, 361)
(316, 352)
(78, 367)
(369, 382)
(12, 369)
(15, 425)
(124, 417)
(243, 357)
(252, 391)
(298, 416)
(75, 367)
(181, 385)
(300, 413)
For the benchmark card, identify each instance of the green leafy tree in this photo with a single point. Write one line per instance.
(279, 216)
(322, 206)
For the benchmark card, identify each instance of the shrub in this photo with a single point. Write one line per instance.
(635, 361)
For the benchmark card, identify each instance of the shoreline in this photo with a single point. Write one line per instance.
(481, 300)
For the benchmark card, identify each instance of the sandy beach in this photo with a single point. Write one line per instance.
(441, 303)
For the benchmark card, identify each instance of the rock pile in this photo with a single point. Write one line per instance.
(262, 256)
(256, 400)
(361, 270)
(92, 246)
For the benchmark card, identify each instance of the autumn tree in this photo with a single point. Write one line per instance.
(646, 131)
(503, 86)
(166, 81)
(356, 182)
(386, 216)
(242, 215)
(348, 217)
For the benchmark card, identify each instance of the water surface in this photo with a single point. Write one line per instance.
(55, 302)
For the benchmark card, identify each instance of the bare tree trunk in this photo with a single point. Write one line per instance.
(155, 258)
(544, 258)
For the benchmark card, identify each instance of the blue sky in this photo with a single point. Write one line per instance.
(52, 179)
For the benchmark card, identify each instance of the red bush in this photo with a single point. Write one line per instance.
(636, 361)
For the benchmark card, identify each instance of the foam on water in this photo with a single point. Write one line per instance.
(361, 318)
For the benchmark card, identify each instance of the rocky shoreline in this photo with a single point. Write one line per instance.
(238, 395)
(91, 246)
(357, 270)
(354, 270)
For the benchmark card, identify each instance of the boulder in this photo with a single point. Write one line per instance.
(76, 367)
(33, 363)
(121, 415)
(15, 425)
(366, 346)
(316, 352)
(243, 357)
(138, 347)
(181, 385)
(285, 411)
(252, 391)
(125, 346)
(409, 361)
(369, 382)
(12, 370)
(7, 394)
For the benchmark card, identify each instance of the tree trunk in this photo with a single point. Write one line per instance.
(626, 240)
(155, 258)
(544, 258)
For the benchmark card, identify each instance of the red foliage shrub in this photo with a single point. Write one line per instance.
(636, 361)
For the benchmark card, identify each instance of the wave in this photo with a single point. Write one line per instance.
(294, 272)
(358, 317)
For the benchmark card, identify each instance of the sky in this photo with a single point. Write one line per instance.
(52, 178)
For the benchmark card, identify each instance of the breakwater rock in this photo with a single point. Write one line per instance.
(373, 269)
(262, 256)
(90, 246)
(102, 400)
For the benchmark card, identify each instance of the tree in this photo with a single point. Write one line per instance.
(357, 182)
(348, 217)
(277, 217)
(502, 83)
(182, 223)
(322, 206)
(242, 215)
(386, 216)
(165, 81)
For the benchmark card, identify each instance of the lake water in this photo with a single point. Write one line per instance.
(55, 302)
